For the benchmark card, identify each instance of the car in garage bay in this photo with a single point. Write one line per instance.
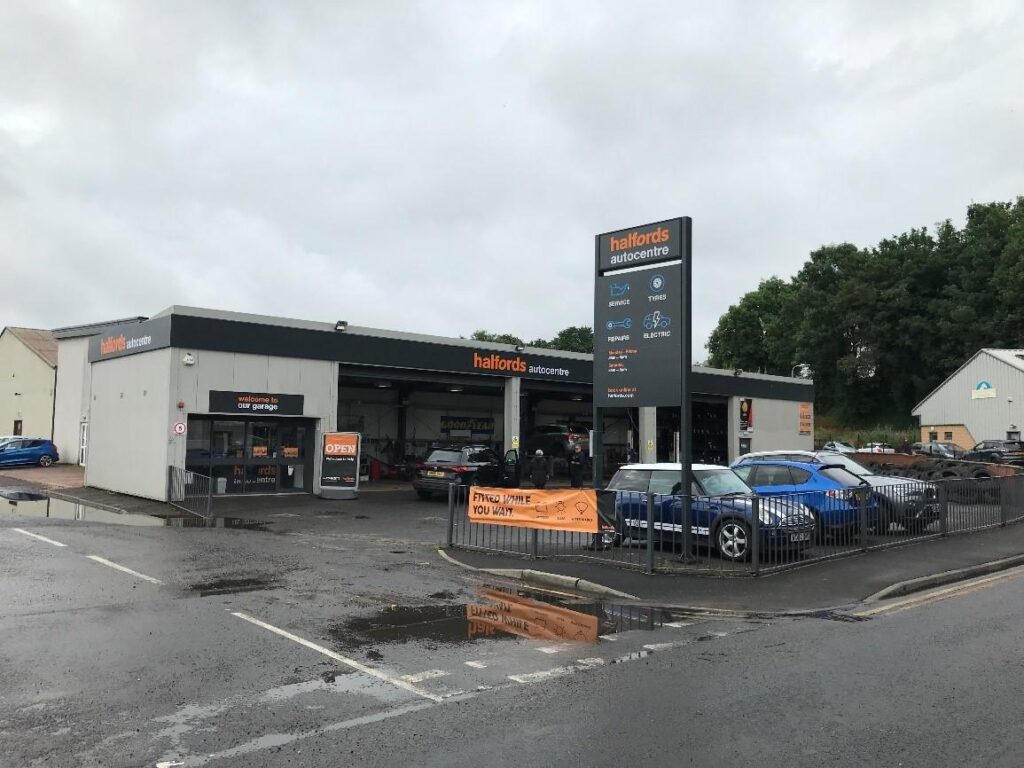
(721, 510)
(465, 465)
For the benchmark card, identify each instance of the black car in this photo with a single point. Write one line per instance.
(997, 452)
(463, 466)
(556, 440)
(938, 450)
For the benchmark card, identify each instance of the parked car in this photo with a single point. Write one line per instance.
(877, 448)
(997, 452)
(838, 446)
(28, 450)
(720, 511)
(555, 440)
(911, 504)
(465, 465)
(937, 449)
(832, 492)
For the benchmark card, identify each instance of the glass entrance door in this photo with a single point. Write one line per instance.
(261, 467)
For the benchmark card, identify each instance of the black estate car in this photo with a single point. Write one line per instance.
(465, 465)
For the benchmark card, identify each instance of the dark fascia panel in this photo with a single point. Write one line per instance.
(218, 335)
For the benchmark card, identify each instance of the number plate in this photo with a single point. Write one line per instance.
(800, 537)
(433, 473)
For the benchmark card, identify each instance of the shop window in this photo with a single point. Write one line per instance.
(261, 442)
(260, 477)
(228, 439)
(948, 436)
(197, 443)
(292, 441)
(933, 436)
(228, 479)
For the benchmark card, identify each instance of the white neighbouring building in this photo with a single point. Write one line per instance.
(28, 371)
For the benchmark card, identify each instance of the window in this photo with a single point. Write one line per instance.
(721, 482)
(444, 457)
(228, 439)
(933, 436)
(261, 441)
(800, 476)
(630, 480)
(773, 474)
(947, 435)
(481, 457)
(666, 482)
(745, 473)
(841, 476)
(17, 427)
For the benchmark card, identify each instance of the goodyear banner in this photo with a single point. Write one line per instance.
(568, 509)
(515, 615)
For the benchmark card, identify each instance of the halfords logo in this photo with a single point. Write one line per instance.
(495, 362)
(113, 344)
(636, 239)
(649, 241)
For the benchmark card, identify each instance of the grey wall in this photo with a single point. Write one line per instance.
(129, 425)
(316, 380)
(987, 418)
(776, 427)
(74, 391)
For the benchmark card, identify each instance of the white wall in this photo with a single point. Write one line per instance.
(776, 426)
(24, 372)
(129, 425)
(74, 391)
(315, 380)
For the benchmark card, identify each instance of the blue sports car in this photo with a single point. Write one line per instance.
(720, 511)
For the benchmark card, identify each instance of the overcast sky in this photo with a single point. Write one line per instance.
(442, 167)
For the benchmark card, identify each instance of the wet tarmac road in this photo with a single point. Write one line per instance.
(313, 643)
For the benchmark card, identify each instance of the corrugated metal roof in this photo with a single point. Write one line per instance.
(39, 341)
(1014, 357)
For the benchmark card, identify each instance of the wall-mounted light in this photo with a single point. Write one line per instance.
(188, 359)
(520, 347)
(455, 389)
(383, 385)
(341, 326)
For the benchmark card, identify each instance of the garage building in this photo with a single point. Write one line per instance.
(247, 398)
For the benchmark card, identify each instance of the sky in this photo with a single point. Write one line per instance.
(442, 167)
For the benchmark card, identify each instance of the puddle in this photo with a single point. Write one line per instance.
(37, 505)
(232, 586)
(498, 614)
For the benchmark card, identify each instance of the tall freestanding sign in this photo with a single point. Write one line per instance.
(642, 350)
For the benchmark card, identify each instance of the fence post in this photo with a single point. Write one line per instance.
(755, 535)
(943, 507)
(1003, 487)
(862, 519)
(451, 515)
(209, 496)
(650, 532)
(534, 536)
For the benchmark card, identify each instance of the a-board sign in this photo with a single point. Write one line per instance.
(339, 465)
(256, 403)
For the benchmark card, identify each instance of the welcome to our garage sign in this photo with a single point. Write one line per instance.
(576, 510)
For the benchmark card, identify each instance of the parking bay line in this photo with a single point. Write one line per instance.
(383, 676)
(37, 536)
(123, 569)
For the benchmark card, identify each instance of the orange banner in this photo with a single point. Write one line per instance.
(524, 617)
(570, 509)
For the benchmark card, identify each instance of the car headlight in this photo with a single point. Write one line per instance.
(809, 512)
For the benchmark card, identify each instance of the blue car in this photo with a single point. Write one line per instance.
(830, 491)
(27, 450)
(720, 511)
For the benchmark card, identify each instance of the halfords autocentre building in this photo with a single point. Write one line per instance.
(246, 398)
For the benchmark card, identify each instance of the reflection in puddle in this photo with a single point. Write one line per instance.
(500, 614)
(232, 586)
(30, 504)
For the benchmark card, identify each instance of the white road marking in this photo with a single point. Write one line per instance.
(168, 764)
(956, 590)
(123, 569)
(421, 676)
(553, 648)
(37, 536)
(678, 624)
(547, 674)
(719, 634)
(283, 514)
(659, 646)
(476, 664)
(395, 681)
(609, 638)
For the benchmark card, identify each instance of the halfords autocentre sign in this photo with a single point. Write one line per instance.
(131, 340)
(495, 363)
(640, 246)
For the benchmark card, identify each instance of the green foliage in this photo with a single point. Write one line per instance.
(575, 338)
(881, 327)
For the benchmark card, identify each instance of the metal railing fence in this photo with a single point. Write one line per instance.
(764, 533)
(190, 491)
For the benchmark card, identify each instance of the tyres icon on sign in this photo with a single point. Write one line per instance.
(657, 283)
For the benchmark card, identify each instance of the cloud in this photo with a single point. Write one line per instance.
(441, 168)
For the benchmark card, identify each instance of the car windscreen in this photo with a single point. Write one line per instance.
(630, 480)
(841, 476)
(445, 457)
(849, 464)
(720, 482)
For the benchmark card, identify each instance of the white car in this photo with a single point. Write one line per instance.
(877, 448)
(838, 446)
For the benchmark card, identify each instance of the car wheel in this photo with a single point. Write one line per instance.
(45, 461)
(474, 480)
(733, 540)
(424, 495)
